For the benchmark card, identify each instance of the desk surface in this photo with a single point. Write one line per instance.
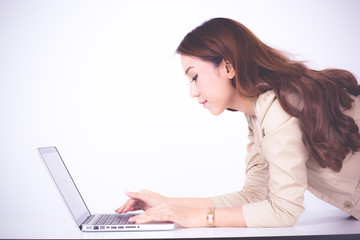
(310, 223)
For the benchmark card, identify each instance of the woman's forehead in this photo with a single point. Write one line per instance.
(189, 62)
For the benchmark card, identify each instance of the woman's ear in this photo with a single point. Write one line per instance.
(230, 71)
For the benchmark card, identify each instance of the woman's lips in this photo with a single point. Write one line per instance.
(203, 102)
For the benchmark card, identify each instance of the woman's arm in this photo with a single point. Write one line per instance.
(190, 202)
(146, 199)
(229, 217)
(283, 147)
(228, 211)
(192, 217)
(186, 212)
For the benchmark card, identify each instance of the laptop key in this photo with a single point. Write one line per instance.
(89, 219)
(103, 220)
(117, 219)
(110, 219)
(98, 219)
(125, 219)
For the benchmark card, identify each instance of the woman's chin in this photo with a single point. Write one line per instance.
(216, 112)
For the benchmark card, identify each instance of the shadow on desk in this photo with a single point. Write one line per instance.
(321, 219)
(308, 237)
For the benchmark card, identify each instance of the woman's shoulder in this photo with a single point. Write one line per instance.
(263, 103)
(269, 111)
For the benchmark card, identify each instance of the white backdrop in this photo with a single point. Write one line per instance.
(101, 81)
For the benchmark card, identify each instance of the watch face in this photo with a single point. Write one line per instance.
(210, 217)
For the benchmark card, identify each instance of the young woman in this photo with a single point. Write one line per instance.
(303, 132)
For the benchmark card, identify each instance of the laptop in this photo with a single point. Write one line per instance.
(76, 204)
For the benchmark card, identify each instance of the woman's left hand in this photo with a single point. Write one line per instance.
(182, 216)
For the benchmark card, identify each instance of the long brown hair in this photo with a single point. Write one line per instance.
(328, 133)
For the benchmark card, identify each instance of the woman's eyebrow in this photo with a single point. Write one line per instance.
(188, 69)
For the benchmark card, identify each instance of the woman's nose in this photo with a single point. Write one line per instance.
(194, 92)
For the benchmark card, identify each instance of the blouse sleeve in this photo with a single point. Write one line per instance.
(283, 149)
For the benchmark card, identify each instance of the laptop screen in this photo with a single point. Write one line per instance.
(65, 184)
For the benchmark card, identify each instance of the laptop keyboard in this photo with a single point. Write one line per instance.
(112, 219)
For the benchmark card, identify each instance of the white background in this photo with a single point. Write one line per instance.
(101, 81)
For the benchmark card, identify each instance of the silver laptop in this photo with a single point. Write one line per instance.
(78, 209)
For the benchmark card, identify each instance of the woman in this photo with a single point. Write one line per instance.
(303, 132)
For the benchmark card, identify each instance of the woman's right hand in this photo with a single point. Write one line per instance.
(142, 200)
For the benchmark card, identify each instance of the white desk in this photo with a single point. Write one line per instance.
(310, 223)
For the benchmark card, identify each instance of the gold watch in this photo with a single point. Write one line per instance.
(211, 217)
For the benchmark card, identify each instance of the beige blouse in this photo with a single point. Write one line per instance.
(279, 170)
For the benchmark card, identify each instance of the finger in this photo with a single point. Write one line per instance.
(135, 195)
(130, 194)
(139, 218)
(135, 218)
(157, 214)
(153, 217)
(125, 207)
(129, 204)
(142, 195)
(120, 209)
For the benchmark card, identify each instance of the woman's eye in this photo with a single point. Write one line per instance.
(194, 78)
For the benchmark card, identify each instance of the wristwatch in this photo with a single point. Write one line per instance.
(211, 217)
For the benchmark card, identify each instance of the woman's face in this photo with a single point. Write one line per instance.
(211, 85)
